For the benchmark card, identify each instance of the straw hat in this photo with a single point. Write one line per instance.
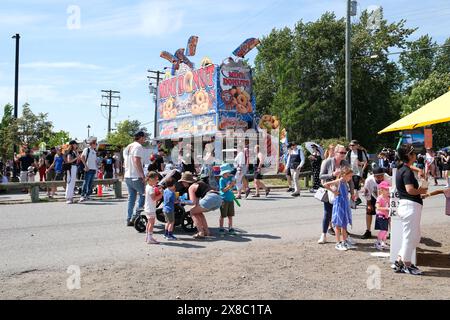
(187, 177)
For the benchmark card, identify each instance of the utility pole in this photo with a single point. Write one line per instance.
(351, 11)
(154, 90)
(110, 95)
(16, 82)
(16, 103)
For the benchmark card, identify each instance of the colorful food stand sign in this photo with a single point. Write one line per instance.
(206, 100)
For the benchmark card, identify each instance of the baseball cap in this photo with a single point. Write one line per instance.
(92, 139)
(384, 185)
(139, 134)
(378, 171)
(72, 142)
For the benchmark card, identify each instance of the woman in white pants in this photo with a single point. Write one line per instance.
(71, 158)
(409, 209)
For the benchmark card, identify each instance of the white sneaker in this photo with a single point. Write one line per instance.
(69, 201)
(379, 246)
(351, 241)
(340, 246)
(323, 239)
(348, 245)
(151, 240)
(82, 199)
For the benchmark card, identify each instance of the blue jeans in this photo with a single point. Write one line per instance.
(327, 212)
(86, 190)
(134, 187)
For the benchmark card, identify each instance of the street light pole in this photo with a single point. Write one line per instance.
(16, 82)
(348, 75)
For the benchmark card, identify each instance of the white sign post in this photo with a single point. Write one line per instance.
(396, 223)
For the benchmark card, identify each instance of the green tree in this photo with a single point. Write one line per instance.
(124, 134)
(426, 91)
(58, 138)
(300, 76)
(8, 133)
(442, 64)
(33, 129)
(417, 64)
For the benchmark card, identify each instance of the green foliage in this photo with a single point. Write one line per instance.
(418, 64)
(8, 130)
(300, 76)
(58, 138)
(33, 129)
(426, 91)
(124, 134)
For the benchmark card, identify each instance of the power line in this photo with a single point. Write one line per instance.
(110, 95)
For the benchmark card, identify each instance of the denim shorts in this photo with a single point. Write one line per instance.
(212, 201)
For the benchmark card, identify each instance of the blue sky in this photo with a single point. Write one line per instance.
(63, 69)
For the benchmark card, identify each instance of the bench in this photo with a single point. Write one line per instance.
(34, 187)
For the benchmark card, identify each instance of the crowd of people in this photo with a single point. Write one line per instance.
(63, 163)
(341, 176)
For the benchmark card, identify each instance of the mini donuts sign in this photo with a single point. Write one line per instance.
(205, 101)
(186, 102)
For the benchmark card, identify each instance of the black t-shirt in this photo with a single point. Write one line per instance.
(159, 163)
(153, 166)
(406, 176)
(50, 158)
(108, 163)
(72, 155)
(25, 162)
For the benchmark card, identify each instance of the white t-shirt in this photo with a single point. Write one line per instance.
(240, 159)
(132, 150)
(149, 205)
(354, 162)
(91, 160)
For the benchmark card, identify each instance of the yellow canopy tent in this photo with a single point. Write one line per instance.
(436, 111)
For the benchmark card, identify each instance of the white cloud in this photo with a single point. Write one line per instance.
(148, 19)
(59, 65)
(18, 19)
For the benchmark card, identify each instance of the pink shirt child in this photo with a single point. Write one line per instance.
(383, 203)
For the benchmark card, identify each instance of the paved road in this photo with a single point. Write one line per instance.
(56, 235)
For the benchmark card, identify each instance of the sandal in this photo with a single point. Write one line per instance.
(198, 236)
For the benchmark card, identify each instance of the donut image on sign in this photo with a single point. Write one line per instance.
(169, 111)
(200, 102)
(269, 122)
(188, 82)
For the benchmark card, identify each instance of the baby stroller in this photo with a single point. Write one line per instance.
(182, 217)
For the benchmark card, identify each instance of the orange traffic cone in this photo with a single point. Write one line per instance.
(100, 187)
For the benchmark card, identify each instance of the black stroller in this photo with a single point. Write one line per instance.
(182, 217)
